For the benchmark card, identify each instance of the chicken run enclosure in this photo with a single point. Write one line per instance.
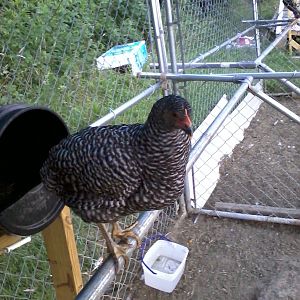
(229, 58)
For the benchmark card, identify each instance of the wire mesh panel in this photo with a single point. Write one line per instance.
(48, 53)
(206, 169)
(50, 56)
(260, 177)
(204, 26)
(284, 57)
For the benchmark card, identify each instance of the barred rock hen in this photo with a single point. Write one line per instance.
(106, 172)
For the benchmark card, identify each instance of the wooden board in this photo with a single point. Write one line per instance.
(295, 45)
(63, 257)
(292, 42)
(8, 240)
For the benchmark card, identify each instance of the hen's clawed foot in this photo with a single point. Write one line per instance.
(118, 232)
(116, 250)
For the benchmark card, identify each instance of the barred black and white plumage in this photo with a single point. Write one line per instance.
(107, 172)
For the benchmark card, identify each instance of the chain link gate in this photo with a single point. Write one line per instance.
(270, 194)
(41, 64)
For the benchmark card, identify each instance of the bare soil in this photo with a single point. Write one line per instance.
(231, 259)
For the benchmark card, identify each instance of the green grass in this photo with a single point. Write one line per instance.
(56, 69)
(267, 8)
(28, 275)
(47, 58)
(80, 99)
(48, 51)
(281, 60)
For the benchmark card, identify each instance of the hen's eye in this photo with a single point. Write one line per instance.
(175, 115)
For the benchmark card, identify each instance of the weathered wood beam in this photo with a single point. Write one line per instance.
(259, 209)
(63, 257)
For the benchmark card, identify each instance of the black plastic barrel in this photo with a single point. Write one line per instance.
(26, 135)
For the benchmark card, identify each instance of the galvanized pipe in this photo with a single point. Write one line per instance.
(217, 48)
(215, 125)
(257, 36)
(271, 25)
(160, 30)
(274, 104)
(214, 65)
(211, 65)
(186, 77)
(156, 35)
(248, 217)
(187, 194)
(105, 274)
(229, 77)
(280, 16)
(112, 115)
(284, 81)
(159, 38)
(275, 42)
(268, 21)
(171, 39)
(179, 31)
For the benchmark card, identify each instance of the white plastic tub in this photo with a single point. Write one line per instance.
(167, 260)
(134, 54)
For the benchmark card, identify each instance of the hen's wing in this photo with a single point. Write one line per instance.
(97, 163)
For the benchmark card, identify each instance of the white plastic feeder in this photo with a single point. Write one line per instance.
(167, 260)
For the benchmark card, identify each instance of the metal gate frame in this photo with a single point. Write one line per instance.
(173, 71)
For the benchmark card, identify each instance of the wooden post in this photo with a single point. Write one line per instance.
(63, 257)
(291, 34)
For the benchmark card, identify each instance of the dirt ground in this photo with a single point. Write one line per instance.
(236, 260)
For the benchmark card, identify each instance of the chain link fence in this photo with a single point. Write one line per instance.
(282, 58)
(250, 168)
(48, 57)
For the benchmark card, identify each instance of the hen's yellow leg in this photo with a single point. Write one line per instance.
(115, 249)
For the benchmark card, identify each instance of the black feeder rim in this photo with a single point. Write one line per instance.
(27, 133)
